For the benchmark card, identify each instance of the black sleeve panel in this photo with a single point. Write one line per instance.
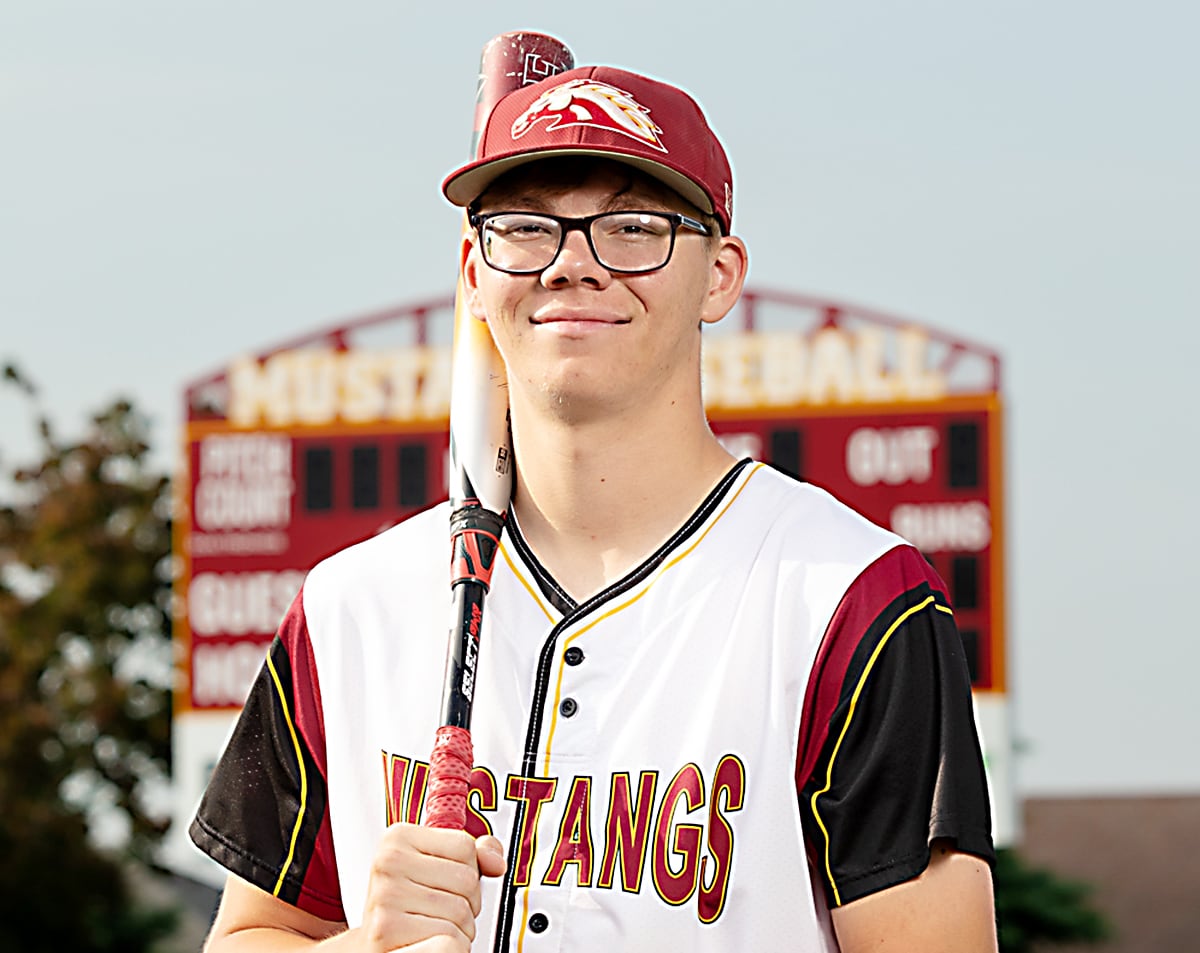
(263, 815)
(901, 763)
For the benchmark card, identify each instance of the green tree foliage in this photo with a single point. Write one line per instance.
(84, 684)
(1035, 908)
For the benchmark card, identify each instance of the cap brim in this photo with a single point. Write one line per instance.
(471, 181)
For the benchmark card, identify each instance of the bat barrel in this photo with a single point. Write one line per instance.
(511, 61)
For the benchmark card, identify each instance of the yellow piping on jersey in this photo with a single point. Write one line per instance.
(626, 604)
(287, 715)
(524, 922)
(533, 593)
(862, 681)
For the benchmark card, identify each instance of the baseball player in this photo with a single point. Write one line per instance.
(715, 709)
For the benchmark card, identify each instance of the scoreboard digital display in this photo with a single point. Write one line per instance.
(293, 454)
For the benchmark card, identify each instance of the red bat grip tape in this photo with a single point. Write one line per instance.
(449, 779)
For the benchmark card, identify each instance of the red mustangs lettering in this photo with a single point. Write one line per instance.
(678, 833)
(585, 102)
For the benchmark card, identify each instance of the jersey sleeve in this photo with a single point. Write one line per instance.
(889, 759)
(263, 815)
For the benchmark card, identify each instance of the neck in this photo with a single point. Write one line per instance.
(596, 497)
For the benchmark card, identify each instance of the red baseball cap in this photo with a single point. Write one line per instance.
(610, 113)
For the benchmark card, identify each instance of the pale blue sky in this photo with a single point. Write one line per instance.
(181, 182)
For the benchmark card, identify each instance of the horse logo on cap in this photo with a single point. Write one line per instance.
(585, 102)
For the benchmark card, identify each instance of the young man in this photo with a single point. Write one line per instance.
(716, 709)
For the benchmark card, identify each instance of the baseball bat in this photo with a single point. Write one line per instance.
(480, 459)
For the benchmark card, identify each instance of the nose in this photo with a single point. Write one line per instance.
(575, 264)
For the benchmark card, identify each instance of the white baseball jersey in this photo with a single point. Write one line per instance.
(769, 717)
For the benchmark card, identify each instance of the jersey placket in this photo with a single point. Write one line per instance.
(560, 851)
(548, 860)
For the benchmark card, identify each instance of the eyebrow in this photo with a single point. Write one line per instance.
(626, 200)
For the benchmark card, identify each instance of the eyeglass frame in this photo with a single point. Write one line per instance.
(568, 224)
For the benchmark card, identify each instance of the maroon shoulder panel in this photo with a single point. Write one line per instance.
(895, 572)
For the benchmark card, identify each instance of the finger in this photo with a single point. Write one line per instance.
(429, 873)
(439, 859)
(430, 886)
(388, 930)
(440, 944)
(432, 841)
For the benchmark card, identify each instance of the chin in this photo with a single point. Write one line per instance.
(578, 401)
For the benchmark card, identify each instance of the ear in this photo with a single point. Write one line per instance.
(469, 266)
(727, 274)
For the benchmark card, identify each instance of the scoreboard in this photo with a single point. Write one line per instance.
(294, 453)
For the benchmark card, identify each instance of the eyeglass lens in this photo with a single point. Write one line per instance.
(622, 241)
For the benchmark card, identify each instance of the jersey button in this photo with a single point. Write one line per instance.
(568, 707)
(573, 655)
(538, 922)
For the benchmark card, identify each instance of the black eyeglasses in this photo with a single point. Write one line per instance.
(525, 243)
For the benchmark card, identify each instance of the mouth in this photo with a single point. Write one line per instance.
(576, 318)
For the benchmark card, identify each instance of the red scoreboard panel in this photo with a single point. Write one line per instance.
(264, 507)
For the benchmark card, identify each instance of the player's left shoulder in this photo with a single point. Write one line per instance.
(813, 520)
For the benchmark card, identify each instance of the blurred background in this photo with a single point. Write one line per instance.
(181, 185)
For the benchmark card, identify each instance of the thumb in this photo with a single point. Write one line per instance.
(489, 854)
